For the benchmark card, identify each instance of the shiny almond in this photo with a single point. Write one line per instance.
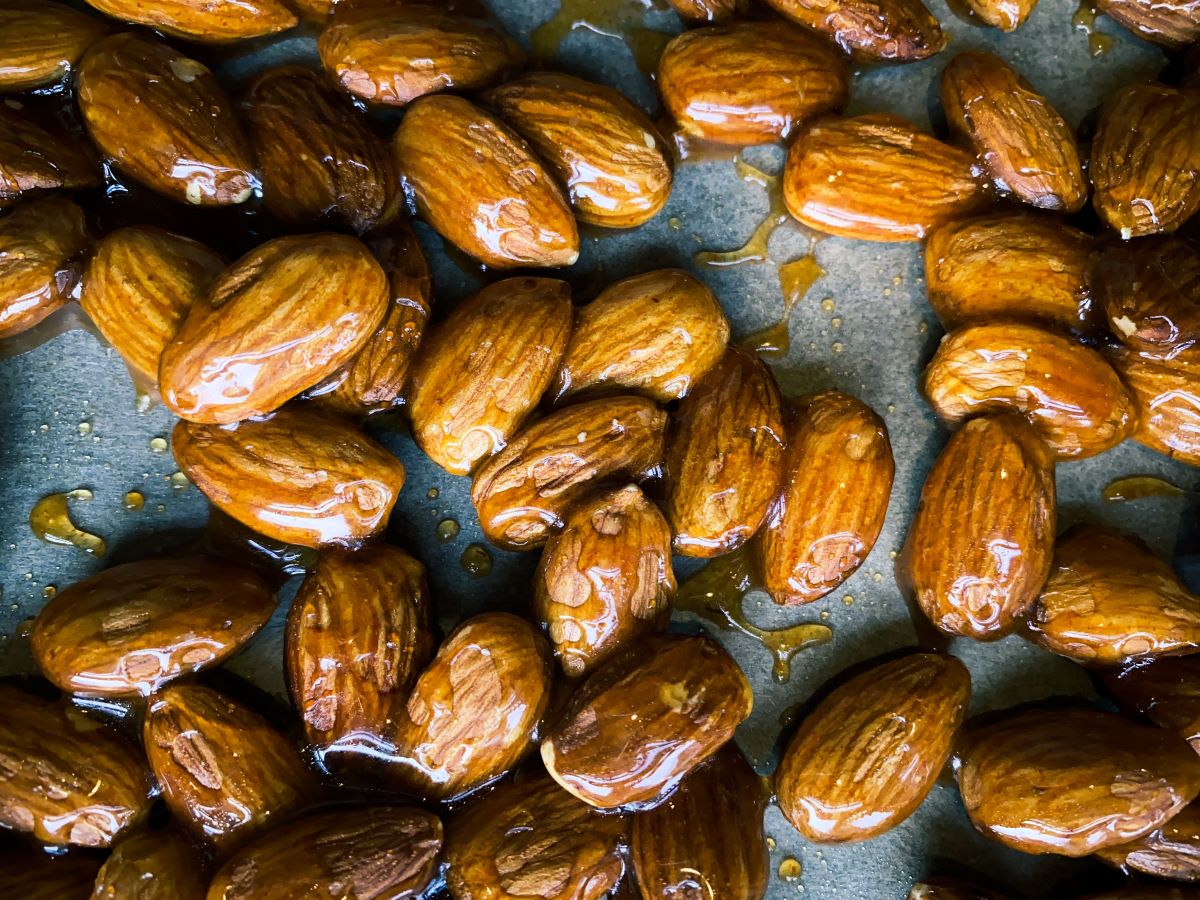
(1165, 691)
(41, 41)
(701, 11)
(1171, 23)
(198, 20)
(1007, 15)
(143, 862)
(1167, 395)
(1170, 851)
(1149, 291)
(871, 30)
(36, 157)
(42, 242)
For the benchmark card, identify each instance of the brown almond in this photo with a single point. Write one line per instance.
(1150, 293)
(144, 862)
(1070, 394)
(279, 320)
(1165, 691)
(198, 20)
(1007, 15)
(1174, 23)
(35, 157)
(41, 41)
(32, 874)
(871, 30)
(165, 122)
(865, 758)
(877, 178)
(979, 546)
(41, 244)
(522, 493)
(701, 11)
(301, 477)
(1167, 395)
(1170, 851)
(645, 719)
(483, 370)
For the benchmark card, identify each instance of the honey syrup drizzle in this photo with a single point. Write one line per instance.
(624, 20)
(755, 249)
(1139, 487)
(1085, 20)
(796, 278)
(50, 520)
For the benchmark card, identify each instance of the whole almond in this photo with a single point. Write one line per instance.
(1072, 781)
(66, 778)
(197, 20)
(709, 832)
(750, 82)
(724, 456)
(1022, 140)
(138, 288)
(645, 719)
(164, 121)
(1070, 394)
(877, 178)
(35, 157)
(41, 41)
(980, 543)
(31, 874)
(870, 752)
(142, 864)
(1150, 293)
(483, 370)
(1007, 15)
(299, 307)
(655, 333)
(606, 152)
(301, 477)
(1145, 163)
(41, 244)
(523, 492)
(1174, 24)
(1165, 691)
(700, 11)
(1170, 851)
(871, 30)
(1167, 395)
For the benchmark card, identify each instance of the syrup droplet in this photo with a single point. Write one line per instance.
(432, 493)
(476, 561)
(790, 869)
(795, 280)
(50, 591)
(133, 500)
(675, 223)
(50, 520)
(179, 481)
(158, 444)
(770, 843)
(755, 249)
(1139, 487)
(623, 20)
(848, 600)
(766, 784)
(447, 530)
(25, 627)
(1085, 20)
(84, 428)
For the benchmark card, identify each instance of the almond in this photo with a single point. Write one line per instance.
(66, 778)
(710, 832)
(1165, 691)
(1145, 164)
(980, 543)
(871, 30)
(530, 838)
(143, 862)
(225, 773)
(655, 333)
(319, 159)
(724, 457)
(139, 286)
(1150, 293)
(34, 157)
(1072, 781)
(1170, 851)
(199, 20)
(1007, 15)
(164, 121)
(280, 319)
(31, 874)
(41, 41)
(940, 888)
(1174, 24)
(41, 245)
(1023, 141)
(837, 480)
(481, 187)
(700, 11)
(870, 752)
(750, 82)
(606, 152)
(522, 493)
(1167, 395)
(1010, 266)
(475, 712)
(300, 477)
(878, 178)
(645, 719)
(1072, 396)
(483, 370)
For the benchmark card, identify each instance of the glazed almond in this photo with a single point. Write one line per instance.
(31, 874)
(1149, 291)
(37, 157)
(871, 30)
(1165, 691)
(197, 20)
(41, 41)
(42, 242)
(701, 11)
(1170, 851)
(1007, 15)
(145, 861)
(483, 370)
(1167, 395)
(1174, 24)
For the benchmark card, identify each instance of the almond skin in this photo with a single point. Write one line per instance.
(1145, 164)
(31, 874)
(655, 333)
(35, 157)
(1150, 293)
(143, 862)
(1010, 266)
(1174, 24)
(750, 83)
(41, 244)
(522, 493)
(165, 122)
(724, 457)
(870, 752)
(41, 41)
(395, 54)
(138, 288)
(1170, 851)
(980, 544)
(709, 832)
(483, 370)
(701, 11)
(1072, 781)
(1023, 142)
(877, 178)
(300, 307)
(197, 20)
(1069, 392)
(645, 719)
(871, 30)
(481, 187)
(1167, 395)
(606, 152)
(301, 477)
(1007, 15)
(1165, 691)
(67, 779)
(530, 838)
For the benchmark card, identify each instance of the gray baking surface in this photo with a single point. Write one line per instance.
(885, 333)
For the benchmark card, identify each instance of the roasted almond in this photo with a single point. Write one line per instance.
(1150, 293)
(32, 874)
(700, 11)
(1007, 15)
(1165, 691)
(1170, 851)
(979, 546)
(279, 320)
(481, 187)
(655, 333)
(483, 370)
(877, 178)
(871, 30)
(1167, 395)
(144, 863)
(1174, 24)
(870, 752)
(165, 122)
(645, 719)
(1024, 143)
(34, 157)
(301, 477)
(1072, 781)
(198, 20)
(1067, 391)
(522, 493)
(41, 244)
(41, 41)
(1145, 163)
